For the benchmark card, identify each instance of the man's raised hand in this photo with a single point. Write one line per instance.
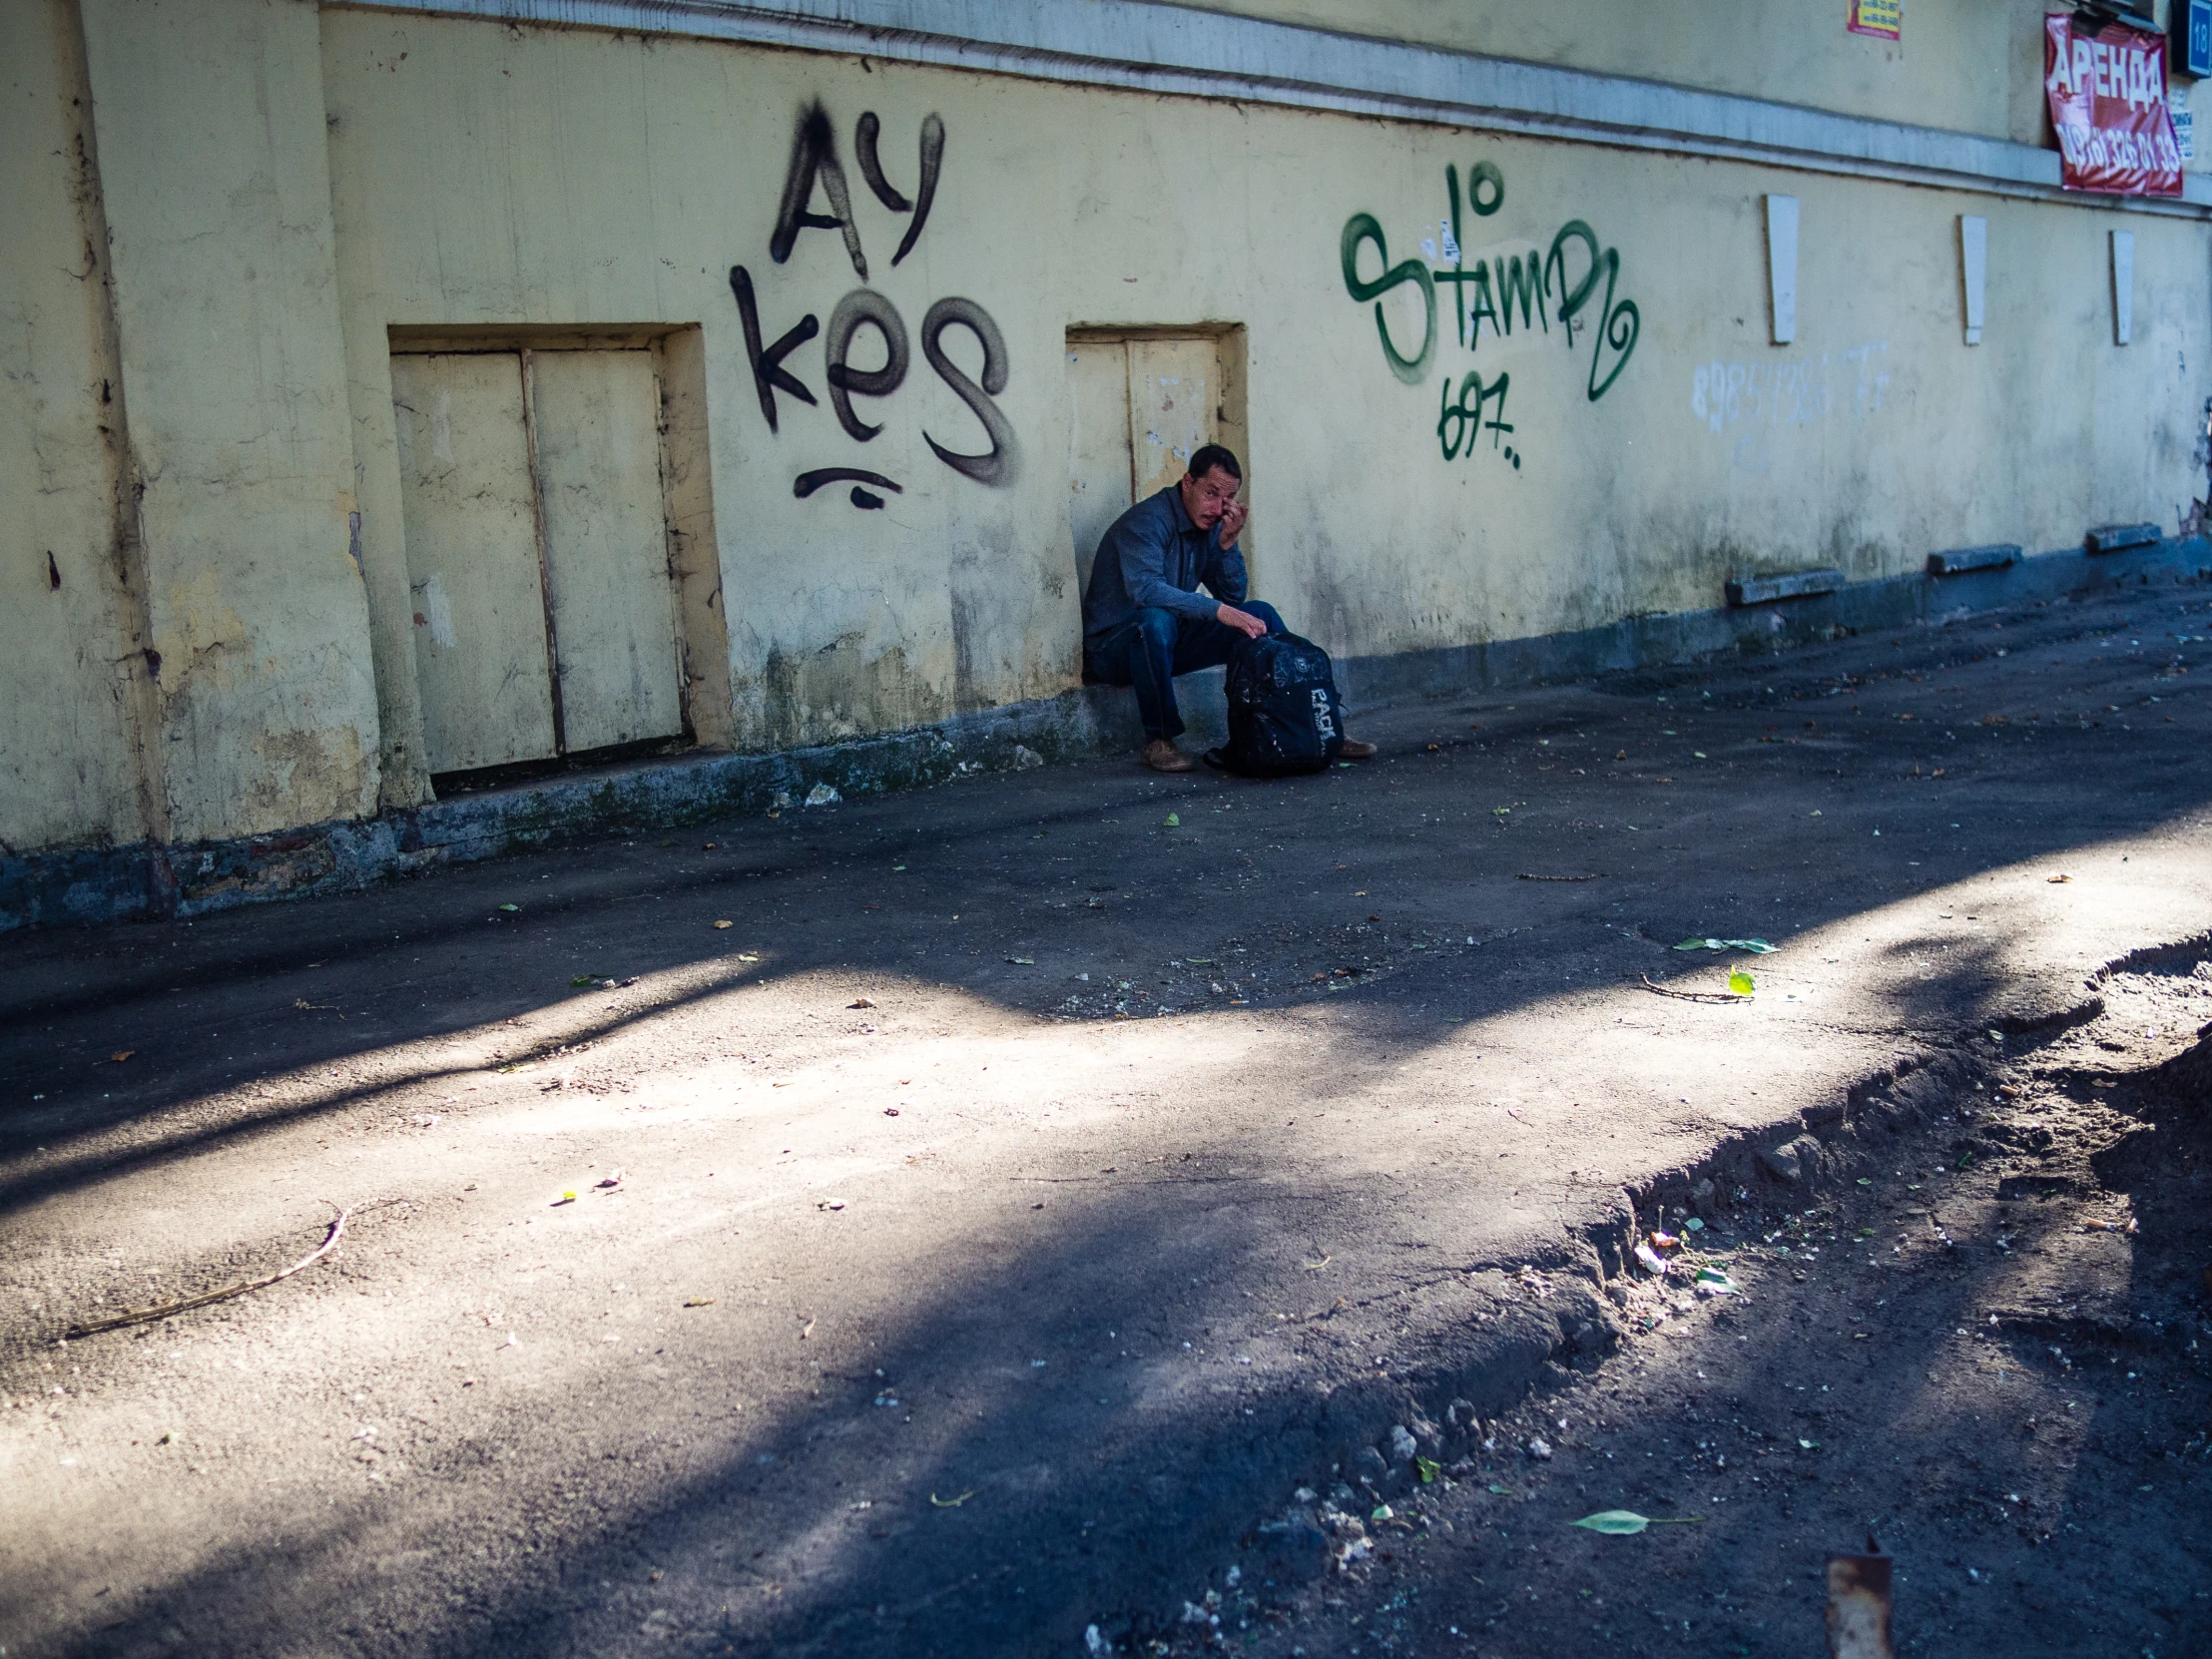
(1244, 621)
(1232, 519)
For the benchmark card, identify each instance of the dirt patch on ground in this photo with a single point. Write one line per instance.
(1981, 1338)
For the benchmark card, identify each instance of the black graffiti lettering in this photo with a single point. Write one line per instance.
(864, 308)
(872, 167)
(997, 467)
(768, 373)
(807, 482)
(866, 500)
(814, 156)
(932, 162)
(1362, 227)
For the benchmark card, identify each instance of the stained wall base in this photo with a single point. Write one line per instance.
(151, 882)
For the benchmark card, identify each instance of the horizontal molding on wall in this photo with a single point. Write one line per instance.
(1139, 45)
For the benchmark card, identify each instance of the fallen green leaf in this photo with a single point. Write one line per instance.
(1430, 1468)
(1741, 983)
(1622, 1523)
(1693, 1225)
(510, 907)
(1810, 1445)
(1758, 948)
(586, 979)
(949, 1502)
(1502, 1491)
(1383, 1511)
(1173, 820)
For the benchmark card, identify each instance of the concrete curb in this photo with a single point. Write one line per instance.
(147, 882)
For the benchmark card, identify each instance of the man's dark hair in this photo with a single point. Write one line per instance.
(1210, 455)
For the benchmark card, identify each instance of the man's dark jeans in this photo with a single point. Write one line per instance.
(1151, 648)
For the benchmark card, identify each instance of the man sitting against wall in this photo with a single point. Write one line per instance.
(1144, 620)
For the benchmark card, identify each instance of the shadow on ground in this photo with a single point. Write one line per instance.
(1023, 1502)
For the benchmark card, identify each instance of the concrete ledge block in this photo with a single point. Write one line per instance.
(2110, 538)
(1959, 559)
(1798, 584)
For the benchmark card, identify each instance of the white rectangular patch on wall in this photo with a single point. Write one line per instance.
(1782, 229)
(2123, 287)
(1974, 267)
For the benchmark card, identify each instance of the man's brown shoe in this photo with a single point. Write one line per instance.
(1161, 755)
(1351, 748)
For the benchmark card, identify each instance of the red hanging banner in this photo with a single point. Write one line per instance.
(2108, 94)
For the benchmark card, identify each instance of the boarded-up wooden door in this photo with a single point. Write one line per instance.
(536, 547)
(1100, 482)
(606, 546)
(470, 512)
(1174, 385)
(1139, 406)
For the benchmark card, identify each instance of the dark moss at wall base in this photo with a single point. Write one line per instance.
(150, 883)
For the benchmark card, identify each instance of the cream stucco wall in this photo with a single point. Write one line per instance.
(487, 179)
(284, 187)
(68, 673)
(210, 116)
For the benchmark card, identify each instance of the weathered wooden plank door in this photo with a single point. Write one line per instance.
(1174, 385)
(612, 601)
(1100, 485)
(469, 509)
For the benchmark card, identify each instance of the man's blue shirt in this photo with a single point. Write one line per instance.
(1155, 557)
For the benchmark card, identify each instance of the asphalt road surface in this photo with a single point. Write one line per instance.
(949, 1221)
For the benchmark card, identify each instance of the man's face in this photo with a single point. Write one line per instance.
(1207, 499)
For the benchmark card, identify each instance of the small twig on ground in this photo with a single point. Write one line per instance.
(1693, 996)
(139, 1316)
(1593, 877)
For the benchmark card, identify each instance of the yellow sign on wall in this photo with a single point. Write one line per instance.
(1884, 18)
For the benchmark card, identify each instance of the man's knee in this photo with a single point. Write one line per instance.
(1158, 628)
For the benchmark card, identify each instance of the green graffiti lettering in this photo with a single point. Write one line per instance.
(1459, 422)
(1618, 325)
(1481, 173)
(1452, 418)
(1525, 283)
(1362, 227)
(1484, 306)
(1555, 264)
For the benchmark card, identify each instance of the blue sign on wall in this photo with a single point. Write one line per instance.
(2192, 26)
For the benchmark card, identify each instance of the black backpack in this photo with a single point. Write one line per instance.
(1285, 716)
